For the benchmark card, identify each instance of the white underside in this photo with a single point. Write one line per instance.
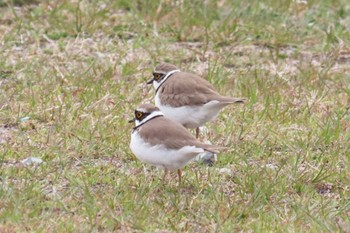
(160, 156)
(191, 116)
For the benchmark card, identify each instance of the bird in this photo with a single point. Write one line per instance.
(161, 142)
(186, 97)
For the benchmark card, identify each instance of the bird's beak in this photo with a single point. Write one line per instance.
(150, 82)
(132, 120)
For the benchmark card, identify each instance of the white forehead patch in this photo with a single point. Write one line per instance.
(142, 110)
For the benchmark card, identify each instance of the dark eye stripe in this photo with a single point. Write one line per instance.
(158, 76)
(142, 116)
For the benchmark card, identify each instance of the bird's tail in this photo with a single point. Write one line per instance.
(231, 100)
(212, 148)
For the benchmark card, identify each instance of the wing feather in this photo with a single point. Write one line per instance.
(192, 89)
(171, 134)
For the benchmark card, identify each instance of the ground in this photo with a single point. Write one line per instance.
(72, 73)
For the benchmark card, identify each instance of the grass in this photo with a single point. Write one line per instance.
(72, 72)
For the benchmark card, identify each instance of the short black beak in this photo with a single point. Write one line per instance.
(132, 120)
(150, 82)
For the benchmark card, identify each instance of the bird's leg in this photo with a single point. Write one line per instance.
(165, 174)
(179, 174)
(197, 132)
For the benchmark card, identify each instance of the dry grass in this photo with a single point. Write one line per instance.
(72, 72)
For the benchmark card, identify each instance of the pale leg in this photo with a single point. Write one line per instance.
(179, 174)
(165, 174)
(197, 132)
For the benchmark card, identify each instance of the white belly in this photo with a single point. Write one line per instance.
(191, 116)
(160, 156)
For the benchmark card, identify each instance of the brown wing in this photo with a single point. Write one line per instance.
(161, 130)
(191, 89)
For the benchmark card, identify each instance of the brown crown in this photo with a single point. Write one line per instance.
(164, 68)
(148, 107)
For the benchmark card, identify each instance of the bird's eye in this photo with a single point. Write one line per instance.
(138, 115)
(157, 77)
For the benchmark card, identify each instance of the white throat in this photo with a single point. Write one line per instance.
(156, 84)
(150, 116)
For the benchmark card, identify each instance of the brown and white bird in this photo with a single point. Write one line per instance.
(162, 142)
(187, 98)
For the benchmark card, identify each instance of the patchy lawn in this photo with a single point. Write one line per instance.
(72, 72)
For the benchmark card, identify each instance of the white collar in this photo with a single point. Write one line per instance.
(156, 85)
(147, 118)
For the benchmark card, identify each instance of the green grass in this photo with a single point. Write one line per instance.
(77, 69)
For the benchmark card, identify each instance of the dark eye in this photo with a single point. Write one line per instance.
(157, 77)
(138, 115)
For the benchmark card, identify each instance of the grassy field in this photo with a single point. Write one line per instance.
(72, 73)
